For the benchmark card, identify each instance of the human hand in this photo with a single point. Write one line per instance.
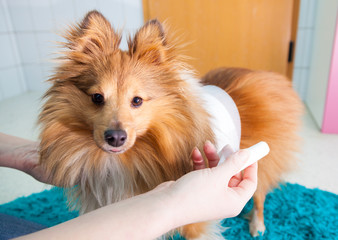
(210, 153)
(27, 160)
(23, 155)
(213, 193)
(213, 160)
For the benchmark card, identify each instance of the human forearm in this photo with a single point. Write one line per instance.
(203, 195)
(8, 145)
(146, 216)
(21, 154)
(13, 140)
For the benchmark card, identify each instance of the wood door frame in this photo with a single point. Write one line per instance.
(294, 31)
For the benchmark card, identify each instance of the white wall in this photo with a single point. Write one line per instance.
(303, 53)
(28, 31)
(11, 75)
(324, 33)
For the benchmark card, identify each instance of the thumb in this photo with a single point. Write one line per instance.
(234, 163)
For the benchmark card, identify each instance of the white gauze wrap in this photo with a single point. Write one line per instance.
(225, 120)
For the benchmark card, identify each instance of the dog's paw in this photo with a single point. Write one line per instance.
(204, 231)
(257, 227)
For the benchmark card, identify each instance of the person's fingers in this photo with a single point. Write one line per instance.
(233, 164)
(248, 185)
(211, 154)
(198, 161)
(235, 180)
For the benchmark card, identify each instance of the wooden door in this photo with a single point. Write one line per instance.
(254, 34)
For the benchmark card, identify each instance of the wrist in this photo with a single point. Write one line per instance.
(163, 207)
(177, 208)
(167, 208)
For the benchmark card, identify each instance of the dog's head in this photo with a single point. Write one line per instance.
(114, 96)
(120, 113)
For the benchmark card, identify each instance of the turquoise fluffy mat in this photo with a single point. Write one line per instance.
(291, 212)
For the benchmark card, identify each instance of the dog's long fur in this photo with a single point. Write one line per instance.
(162, 132)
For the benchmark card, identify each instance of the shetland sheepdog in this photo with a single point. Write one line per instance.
(116, 123)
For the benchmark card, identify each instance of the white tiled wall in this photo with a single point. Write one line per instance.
(30, 28)
(303, 54)
(11, 75)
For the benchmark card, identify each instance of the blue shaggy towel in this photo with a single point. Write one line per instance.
(291, 212)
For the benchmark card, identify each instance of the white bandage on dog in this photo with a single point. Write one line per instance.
(225, 120)
(226, 124)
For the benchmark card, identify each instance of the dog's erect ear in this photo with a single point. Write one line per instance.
(150, 43)
(91, 17)
(94, 36)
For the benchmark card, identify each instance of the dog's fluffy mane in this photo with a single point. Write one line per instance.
(68, 151)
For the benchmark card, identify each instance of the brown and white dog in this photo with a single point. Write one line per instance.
(118, 123)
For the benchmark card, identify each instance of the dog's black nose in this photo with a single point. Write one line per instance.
(115, 138)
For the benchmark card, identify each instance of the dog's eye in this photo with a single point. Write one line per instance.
(97, 98)
(136, 102)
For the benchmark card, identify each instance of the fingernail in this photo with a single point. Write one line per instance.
(196, 152)
(242, 153)
(209, 145)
